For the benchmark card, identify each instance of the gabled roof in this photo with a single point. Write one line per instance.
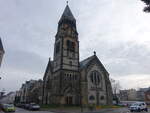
(49, 67)
(67, 14)
(1, 46)
(85, 63)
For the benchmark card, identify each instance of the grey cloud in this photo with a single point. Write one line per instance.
(25, 61)
(128, 58)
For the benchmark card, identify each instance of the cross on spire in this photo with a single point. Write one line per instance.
(67, 2)
(94, 52)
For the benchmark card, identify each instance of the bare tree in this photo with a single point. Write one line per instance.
(115, 86)
(147, 7)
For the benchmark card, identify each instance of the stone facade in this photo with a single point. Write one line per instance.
(68, 81)
(31, 91)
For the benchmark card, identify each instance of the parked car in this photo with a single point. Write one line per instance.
(26, 106)
(18, 104)
(138, 106)
(8, 108)
(34, 106)
(22, 105)
(122, 104)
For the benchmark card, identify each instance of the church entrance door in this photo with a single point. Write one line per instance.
(69, 100)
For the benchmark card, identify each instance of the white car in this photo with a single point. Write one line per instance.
(138, 106)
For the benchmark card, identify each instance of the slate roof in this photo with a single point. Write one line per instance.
(67, 14)
(50, 66)
(88, 61)
(1, 46)
(85, 62)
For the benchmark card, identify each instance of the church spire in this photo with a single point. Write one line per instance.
(67, 15)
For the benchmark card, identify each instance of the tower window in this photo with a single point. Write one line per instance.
(70, 77)
(70, 63)
(102, 97)
(57, 47)
(70, 46)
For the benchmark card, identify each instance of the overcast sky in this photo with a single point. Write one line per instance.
(118, 30)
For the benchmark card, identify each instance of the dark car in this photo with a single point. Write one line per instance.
(34, 106)
(26, 106)
(18, 104)
(22, 105)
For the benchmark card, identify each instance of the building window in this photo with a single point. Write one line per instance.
(57, 47)
(102, 97)
(68, 76)
(95, 77)
(71, 76)
(91, 97)
(75, 77)
(70, 63)
(70, 46)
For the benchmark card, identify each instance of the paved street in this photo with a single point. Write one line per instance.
(20, 110)
(119, 110)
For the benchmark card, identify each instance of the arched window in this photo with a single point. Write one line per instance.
(57, 47)
(70, 63)
(75, 77)
(91, 97)
(102, 97)
(70, 46)
(95, 77)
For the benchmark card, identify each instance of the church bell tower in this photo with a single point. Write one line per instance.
(66, 52)
(66, 60)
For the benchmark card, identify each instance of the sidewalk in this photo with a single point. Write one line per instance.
(64, 110)
(85, 110)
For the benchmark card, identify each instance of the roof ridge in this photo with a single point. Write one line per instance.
(86, 61)
(87, 58)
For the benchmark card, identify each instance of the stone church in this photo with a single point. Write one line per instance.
(70, 81)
